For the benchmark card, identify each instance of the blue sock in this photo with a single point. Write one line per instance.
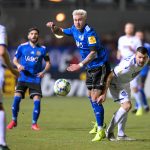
(89, 97)
(36, 111)
(15, 107)
(144, 99)
(99, 113)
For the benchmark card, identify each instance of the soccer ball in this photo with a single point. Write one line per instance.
(62, 87)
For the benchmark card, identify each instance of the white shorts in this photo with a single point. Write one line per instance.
(120, 92)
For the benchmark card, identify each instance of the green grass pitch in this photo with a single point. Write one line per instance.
(65, 123)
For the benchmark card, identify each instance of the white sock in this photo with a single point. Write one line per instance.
(2, 128)
(122, 124)
(115, 119)
(99, 128)
(138, 99)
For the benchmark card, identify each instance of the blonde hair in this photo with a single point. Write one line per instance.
(81, 12)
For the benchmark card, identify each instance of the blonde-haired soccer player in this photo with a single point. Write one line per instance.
(94, 59)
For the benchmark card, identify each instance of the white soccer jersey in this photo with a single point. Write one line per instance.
(127, 70)
(125, 43)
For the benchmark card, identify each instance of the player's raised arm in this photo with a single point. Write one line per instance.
(55, 29)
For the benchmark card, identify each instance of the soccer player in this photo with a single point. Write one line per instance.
(94, 58)
(127, 45)
(5, 56)
(143, 75)
(28, 59)
(118, 82)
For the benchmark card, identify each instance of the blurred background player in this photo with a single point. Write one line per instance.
(119, 85)
(28, 59)
(127, 45)
(94, 58)
(5, 57)
(143, 75)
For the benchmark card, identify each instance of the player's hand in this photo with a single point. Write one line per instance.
(50, 24)
(73, 67)
(101, 99)
(15, 72)
(40, 74)
(20, 67)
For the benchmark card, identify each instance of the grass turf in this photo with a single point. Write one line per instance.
(65, 123)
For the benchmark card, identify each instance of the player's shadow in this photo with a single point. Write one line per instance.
(142, 140)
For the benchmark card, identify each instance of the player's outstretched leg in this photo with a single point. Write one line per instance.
(99, 114)
(15, 111)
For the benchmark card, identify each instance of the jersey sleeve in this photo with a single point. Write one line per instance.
(122, 67)
(18, 52)
(3, 36)
(91, 39)
(68, 31)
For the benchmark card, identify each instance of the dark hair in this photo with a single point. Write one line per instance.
(142, 50)
(33, 28)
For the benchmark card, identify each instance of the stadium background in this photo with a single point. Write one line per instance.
(106, 16)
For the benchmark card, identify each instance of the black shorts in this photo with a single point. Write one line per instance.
(34, 89)
(96, 78)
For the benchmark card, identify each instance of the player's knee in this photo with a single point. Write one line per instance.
(127, 106)
(36, 97)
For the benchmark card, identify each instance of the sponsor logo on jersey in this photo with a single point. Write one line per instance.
(92, 40)
(31, 58)
(79, 44)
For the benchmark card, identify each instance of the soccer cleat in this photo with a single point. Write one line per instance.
(147, 109)
(4, 147)
(110, 136)
(94, 130)
(12, 124)
(35, 127)
(99, 135)
(139, 112)
(125, 138)
(134, 111)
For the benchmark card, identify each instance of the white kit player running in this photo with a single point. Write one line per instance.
(127, 45)
(4, 55)
(118, 82)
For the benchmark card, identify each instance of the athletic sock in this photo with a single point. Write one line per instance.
(138, 99)
(99, 114)
(36, 111)
(144, 99)
(15, 107)
(2, 128)
(115, 119)
(122, 124)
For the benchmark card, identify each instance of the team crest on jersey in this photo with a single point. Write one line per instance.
(92, 40)
(81, 37)
(32, 52)
(38, 53)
